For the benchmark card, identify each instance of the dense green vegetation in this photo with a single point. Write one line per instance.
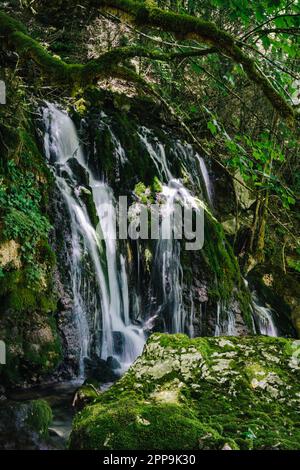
(28, 299)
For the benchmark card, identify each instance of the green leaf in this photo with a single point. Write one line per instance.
(212, 127)
(291, 200)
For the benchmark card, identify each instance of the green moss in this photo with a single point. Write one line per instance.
(20, 293)
(140, 190)
(45, 253)
(147, 194)
(220, 258)
(9, 279)
(129, 425)
(9, 24)
(199, 393)
(45, 358)
(27, 294)
(148, 259)
(87, 198)
(156, 185)
(39, 417)
(22, 299)
(88, 392)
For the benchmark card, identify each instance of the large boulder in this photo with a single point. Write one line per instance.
(203, 393)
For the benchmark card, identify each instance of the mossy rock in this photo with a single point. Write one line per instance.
(129, 425)
(33, 348)
(203, 393)
(24, 425)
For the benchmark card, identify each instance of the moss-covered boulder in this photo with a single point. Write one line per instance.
(24, 425)
(203, 393)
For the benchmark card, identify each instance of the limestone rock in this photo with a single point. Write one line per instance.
(9, 254)
(204, 393)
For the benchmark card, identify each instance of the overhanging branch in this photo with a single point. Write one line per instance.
(190, 27)
(185, 26)
(104, 66)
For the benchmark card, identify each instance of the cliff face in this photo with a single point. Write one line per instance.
(36, 246)
(27, 261)
(205, 393)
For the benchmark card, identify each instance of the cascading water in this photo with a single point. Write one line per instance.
(225, 327)
(206, 179)
(111, 319)
(264, 318)
(100, 309)
(167, 262)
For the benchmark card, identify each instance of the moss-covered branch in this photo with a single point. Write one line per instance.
(187, 27)
(190, 27)
(15, 36)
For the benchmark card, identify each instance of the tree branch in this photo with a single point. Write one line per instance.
(102, 67)
(266, 31)
(190, 27)
(257, 28)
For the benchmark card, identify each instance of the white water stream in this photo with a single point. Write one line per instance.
(108, 298)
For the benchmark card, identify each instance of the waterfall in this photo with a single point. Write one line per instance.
(167, 270)
(111, 318)
(225, 327)
(100, 299)
(264, 318)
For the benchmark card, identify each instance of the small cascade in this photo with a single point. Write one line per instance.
(167, 270)
(100, 295)
(225, 327)
(167, 257)
(264, 318)
(206, 179)
(157, 153)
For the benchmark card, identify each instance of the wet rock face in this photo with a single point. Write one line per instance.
(280, 291)
(206, 393)
(202, 303)
(24, 425)
(66, 322)
(100, 370)
(208, 276)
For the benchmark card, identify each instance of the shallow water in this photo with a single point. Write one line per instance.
(60, 398)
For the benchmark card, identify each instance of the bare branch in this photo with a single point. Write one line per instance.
(284, 15)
